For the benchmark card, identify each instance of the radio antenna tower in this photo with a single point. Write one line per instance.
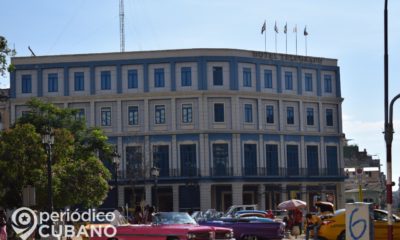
(121, 26)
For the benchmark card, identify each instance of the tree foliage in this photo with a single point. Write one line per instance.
(5, 52)
(78, 175)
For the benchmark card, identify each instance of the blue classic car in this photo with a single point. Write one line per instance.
(250, 227)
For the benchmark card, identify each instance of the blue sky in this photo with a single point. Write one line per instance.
(350, 31)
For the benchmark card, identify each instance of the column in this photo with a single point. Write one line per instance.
(205, 199)
(119, 116)
(236, 146)
(146, 115)
(175, 197)
(237, 194)
(121, 196)
(303, 191)
(147, 189)
(173, 114)
(92, 117)
(174, 162)
(283, 192)
(261, 199)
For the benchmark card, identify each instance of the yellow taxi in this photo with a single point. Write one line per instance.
(333, 227)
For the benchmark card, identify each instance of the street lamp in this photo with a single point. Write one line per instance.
(116, 160)
(155, 173)
(48, 141)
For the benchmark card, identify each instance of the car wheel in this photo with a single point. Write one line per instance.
(342, 236)
(172, 238)
(249, 237)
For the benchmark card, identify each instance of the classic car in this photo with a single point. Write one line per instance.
(171, 226)
(250, 227)
(333, 227)
(254, 213)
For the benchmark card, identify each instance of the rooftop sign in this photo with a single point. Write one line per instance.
(285, 57)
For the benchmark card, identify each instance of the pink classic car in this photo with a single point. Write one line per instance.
(171, 226)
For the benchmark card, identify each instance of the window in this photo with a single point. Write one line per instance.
(332, 160)
(133, 115)
(187, 113)
(248, 113)
(310, 116)
(267, 78)
(271, 153)
(134, 162)
(290, 115)
(132, 79)
(270, 114)
(292, 155)
(188, 159)
(186, 77)
(250, 159)
(80, 114)
(160, 114)
(219, 112)
(79, 81)
(220, 159)
(312, 160)
(26, 84)
(105, 80)
(217, 76)
(161, 159)
(288, 81)
(159, 80)
(246, 77)
(106, 116)
(308, 82)
(52, 79)
(329, 117)
(328, 83)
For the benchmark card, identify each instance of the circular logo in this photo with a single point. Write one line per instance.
(24, 222)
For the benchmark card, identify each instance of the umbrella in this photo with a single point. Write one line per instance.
(292, 204)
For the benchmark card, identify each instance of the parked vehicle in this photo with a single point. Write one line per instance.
(250, 227)
(172, 226)
(334, 228)
(234, 208)
(254, 213)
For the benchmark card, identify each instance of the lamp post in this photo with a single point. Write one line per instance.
(155, 173)
(116, 160)
(48, 141)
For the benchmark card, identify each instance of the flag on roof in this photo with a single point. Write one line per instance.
(295, 29)
(276, 28)
(305, 31)
(285, 29)
(264, 27)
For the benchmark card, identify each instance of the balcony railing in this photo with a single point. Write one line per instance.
(246, 172)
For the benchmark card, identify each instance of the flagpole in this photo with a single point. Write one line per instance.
(276, 49)
(306, 44)
(296, 39)
(286, 43)
(265, 41)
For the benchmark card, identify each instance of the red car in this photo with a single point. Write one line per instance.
(171, 226)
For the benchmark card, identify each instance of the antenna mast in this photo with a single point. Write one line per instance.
(121, 26)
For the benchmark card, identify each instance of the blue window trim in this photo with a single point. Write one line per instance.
(159, 114)
(310, 116)
(271, 158)
(186, 76)
(246, 77)
(218, 79)
(292, 155)
(288, 81)
(308, 81)
(250, 159)
(290, 115)
(79, 81)
(26, 83)
(187, 113)
(159, 78)
(188, 159)
(133, 115)
(105, 80)
(220, 153)
(248, 113)
(270, 114)
(267, 78)
(219, 115)
(329, 117)
(52, 82)
(327, 83)
(106, 116)
(132, 79)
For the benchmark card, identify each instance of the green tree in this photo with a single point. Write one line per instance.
(79, 177)
(5, 52)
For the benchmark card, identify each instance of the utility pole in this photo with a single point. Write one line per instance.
(121, 26)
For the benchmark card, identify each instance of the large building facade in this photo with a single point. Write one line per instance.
(224, 126)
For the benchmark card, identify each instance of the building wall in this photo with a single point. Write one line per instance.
(201, 115)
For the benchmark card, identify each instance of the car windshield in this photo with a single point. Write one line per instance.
(173, 218)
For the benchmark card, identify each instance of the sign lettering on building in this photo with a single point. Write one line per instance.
(285, 57)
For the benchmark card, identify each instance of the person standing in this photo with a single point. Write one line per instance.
(313, 222)
(3, 225)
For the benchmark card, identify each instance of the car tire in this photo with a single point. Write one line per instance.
(342, 236)
(172, 238)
